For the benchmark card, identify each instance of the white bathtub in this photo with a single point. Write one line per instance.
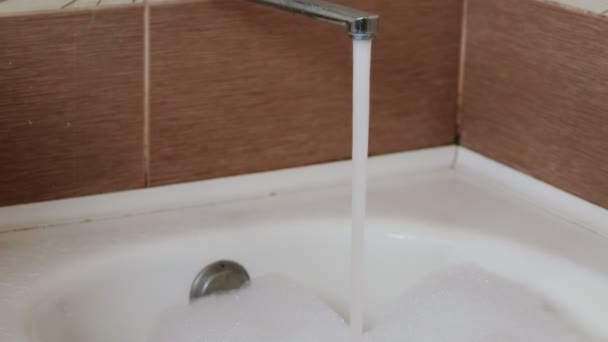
(101, 268)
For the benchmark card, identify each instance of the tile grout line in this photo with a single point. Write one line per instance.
(146, 99)
(461, 75)
(461, 69)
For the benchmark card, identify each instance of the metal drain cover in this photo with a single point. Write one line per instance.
(219, 276)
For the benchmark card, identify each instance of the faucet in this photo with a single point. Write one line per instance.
(360, 25)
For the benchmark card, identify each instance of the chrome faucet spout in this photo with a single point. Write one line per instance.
(360, 24)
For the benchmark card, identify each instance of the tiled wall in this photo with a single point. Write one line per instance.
(70, 104)
(234, 88)
(270, 95)
(536, 92)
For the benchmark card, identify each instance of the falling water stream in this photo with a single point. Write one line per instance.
(361, 97)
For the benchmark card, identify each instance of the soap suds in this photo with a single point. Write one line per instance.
(461, 304)
(269, 309)
(467, 304)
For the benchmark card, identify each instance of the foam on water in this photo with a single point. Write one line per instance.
(270, 309)
(461, 304)
(466, 304)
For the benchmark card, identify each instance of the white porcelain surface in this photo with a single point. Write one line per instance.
(106, 279)
(594, 6)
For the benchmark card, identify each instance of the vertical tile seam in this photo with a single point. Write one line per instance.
(146, 97)
(461, 75)
(461, 67)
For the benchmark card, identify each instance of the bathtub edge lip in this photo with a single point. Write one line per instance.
(465, 163)
(547, 197)
(200, 193)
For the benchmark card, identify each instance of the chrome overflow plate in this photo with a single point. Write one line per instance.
(217, 277)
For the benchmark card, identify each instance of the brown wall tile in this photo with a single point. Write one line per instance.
(70, 104)
(240, 88)
(536, 90)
